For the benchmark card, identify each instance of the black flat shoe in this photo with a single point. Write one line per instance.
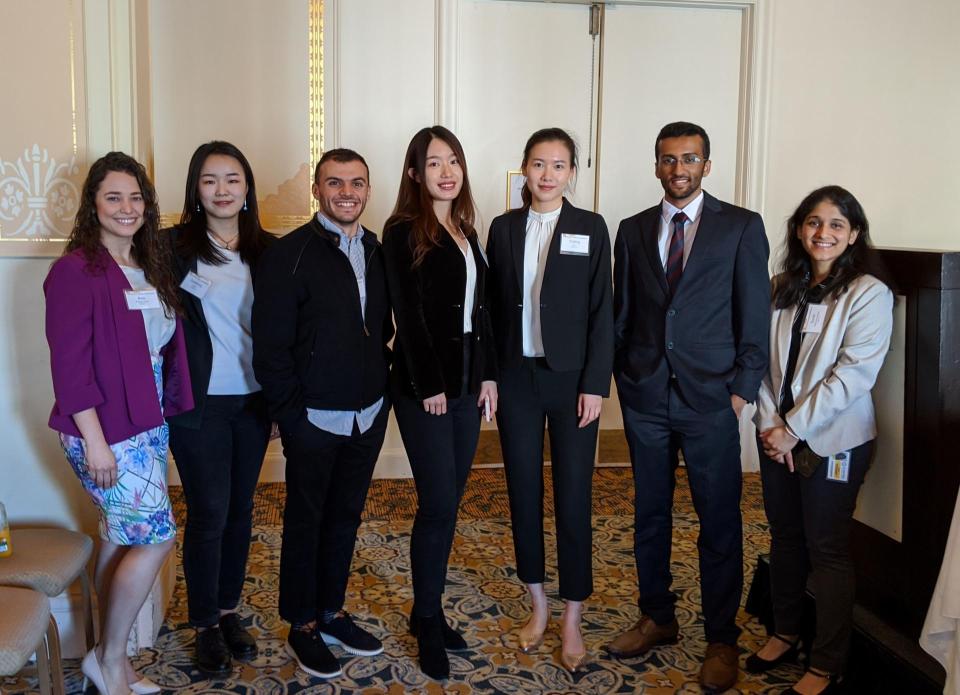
(211, 653)
(756, 664)
(241, 643)
(452, 640)
(834, 686)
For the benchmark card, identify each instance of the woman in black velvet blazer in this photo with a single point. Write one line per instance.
(444, 368)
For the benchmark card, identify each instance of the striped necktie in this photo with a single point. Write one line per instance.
(675, 254)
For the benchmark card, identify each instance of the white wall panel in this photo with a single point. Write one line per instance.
(384, 76)
(521, 66)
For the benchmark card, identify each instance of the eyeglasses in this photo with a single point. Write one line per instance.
(687, 159)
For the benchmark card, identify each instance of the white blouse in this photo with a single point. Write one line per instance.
(470, 289)
(540, 228)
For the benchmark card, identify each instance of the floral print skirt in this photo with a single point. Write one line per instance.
(135, 511)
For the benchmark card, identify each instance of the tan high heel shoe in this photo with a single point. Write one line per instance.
(574, 662)
(529, 638)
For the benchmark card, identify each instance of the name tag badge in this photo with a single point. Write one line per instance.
(141, 300)
(575, 244)
(813, 321)
(838, 467)
(195, 285)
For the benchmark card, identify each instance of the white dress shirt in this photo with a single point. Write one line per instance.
(667, 211)
(471, 287)
(540, 227)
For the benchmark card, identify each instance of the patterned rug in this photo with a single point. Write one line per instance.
(483, 598)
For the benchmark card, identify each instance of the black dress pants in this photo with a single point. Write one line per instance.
(711, 451)
(328, 476)
(810, 521)
(440, 449)
(219, 465)
(531, 396)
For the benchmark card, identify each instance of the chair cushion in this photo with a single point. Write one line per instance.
(24, 618)
(45, 559)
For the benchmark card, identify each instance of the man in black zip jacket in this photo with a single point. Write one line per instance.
(321, 323)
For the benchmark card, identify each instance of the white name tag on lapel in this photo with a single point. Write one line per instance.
(195, 285)
(575, 244)
(813, 321)
(141, 300)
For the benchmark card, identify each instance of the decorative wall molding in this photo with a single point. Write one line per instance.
(38, 197)
(446, 62)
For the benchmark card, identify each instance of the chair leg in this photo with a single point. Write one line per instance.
(49, 664)
(43, 665)
(87, 605)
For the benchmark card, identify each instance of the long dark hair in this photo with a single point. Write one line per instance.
(859, 258)
(194, 241)
(414, 203)
(150, 250)
(547, 135)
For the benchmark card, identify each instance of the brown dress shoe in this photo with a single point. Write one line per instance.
(720, 667)
(643, 637)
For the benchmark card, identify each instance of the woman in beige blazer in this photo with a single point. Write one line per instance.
(831, 326)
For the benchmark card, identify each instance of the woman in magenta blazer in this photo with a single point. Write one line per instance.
(119, 367)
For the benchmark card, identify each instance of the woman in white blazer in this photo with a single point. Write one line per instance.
(831, 326)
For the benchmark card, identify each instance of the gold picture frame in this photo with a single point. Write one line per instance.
(515, 183)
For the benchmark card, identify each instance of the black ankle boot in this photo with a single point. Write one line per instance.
(452, 640)
(433, 654)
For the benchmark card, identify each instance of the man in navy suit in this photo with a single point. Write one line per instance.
(692, 317)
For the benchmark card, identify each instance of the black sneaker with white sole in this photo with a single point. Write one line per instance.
(312, 655)
(345, 633)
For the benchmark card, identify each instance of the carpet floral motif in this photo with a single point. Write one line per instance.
(484, 601)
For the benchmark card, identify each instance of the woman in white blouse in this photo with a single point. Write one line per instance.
(831, 326)
(219, 446)
(552, 309)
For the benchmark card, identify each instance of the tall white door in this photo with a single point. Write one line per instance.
(521, 66)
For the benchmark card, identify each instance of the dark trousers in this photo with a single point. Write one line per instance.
(530, 397)
(328, 476)
(810, 521)
(219, 465)
(440, 449)
(711, 451)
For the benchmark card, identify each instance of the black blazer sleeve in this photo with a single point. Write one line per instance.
(598, 365)
(274, 328)
(623, 292)
(482, 308)
(751, 310)
(498, 326)
(422, 361)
